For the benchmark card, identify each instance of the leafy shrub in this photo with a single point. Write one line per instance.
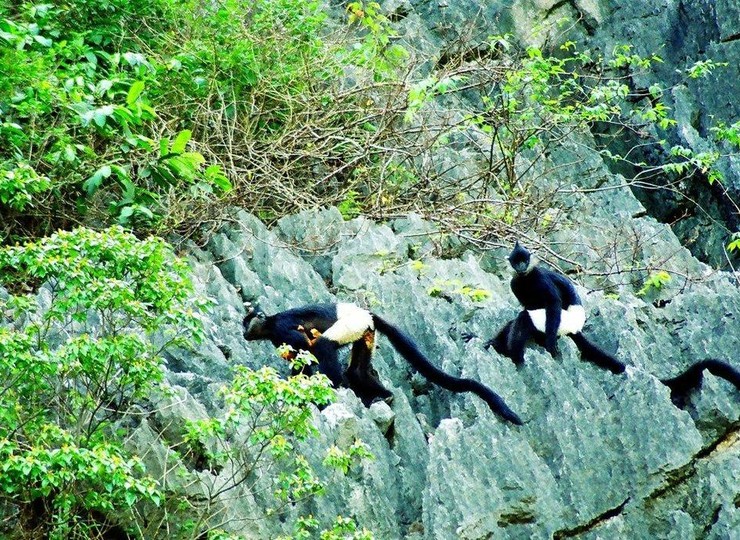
(256, 84)
(79, 370)
(654, 283)
(256, 443)
(75, 368)
(74, 108)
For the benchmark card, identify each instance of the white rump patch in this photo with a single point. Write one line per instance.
(571, 319)
(352, 323)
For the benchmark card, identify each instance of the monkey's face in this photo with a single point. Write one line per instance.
(254, 324)
(520, 259)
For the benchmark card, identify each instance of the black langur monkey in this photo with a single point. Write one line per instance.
(552, 307)
(323, 328)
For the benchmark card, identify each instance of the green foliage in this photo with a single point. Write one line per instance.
(265, 421)
(252, 59)
(76, 367)
(690, 161)
(730, 134)
(734, 244)
(654, 283)
(418, 266)
(219, 534)
(623, 57)
(266, 417)
(444, 288)
(704, 68)
(343, 528)
(350, 208)
(71, 479)
(375, 51)
(123, 280)
(425, 90)
(75, 105)
(342, 460)
(150, 112)
(283, 401)
(20, 184)
(523, 103)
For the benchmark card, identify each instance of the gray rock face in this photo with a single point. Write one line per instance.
(599, 455)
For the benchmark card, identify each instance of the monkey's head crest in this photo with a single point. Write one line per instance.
(254, 321)
(520, 259)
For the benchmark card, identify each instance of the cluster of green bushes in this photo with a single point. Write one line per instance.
(156, 115)
(142, 112)
(96, 117)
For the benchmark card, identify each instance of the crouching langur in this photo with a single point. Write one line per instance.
(324, 328)
(553, 308)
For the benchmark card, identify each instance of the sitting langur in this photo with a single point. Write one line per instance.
(553, 308)
(323, 328)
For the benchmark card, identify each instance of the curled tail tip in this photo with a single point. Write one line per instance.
(514, 419)
(618, 368)
(501, 409)
(509, 415)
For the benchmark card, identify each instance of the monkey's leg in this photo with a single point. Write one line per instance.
(520, 332)
(325, 352)
(361, 376)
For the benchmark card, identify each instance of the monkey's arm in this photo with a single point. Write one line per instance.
(295, 337)
(566, 289)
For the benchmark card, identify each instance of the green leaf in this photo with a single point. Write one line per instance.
(164, 144)
(46, 42)
(126, 213)
(70, 154)
(215, 176)
(134, 92)
(101, 114)
(181, 141)
(92, 184)
(144, 210)
(7, 36)
(120, 172)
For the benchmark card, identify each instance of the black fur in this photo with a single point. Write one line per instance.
(282, 328)
(407, 348)
(691, 379)
(360, 376)
(596, 355)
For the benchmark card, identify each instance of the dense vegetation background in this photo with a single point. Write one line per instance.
(129, 128)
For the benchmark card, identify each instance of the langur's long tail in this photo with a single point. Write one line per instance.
(595, 355)
(692, 378)
(408, 349)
